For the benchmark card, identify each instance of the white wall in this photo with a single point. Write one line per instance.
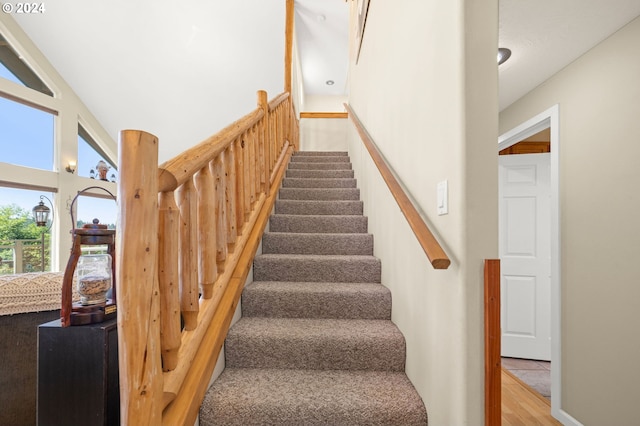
(599, 103)
(431, 107)
(323, 134)
(319, 103)
(181, 71)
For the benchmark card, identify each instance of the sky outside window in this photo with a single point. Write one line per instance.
(5, 73)
(26, 135)
(88, 158)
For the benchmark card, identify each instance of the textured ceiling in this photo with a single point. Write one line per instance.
(544, 36)
(547, 35)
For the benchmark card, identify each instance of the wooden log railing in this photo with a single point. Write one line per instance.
(431, 246)
(187, 234)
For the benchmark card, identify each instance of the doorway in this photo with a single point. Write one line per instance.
(548, 119)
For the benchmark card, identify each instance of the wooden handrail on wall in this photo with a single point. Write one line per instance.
(187, 233)
(431, 247)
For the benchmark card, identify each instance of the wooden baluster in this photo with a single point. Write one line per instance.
(276, 123)
(280, 135)
(263, 104)
(272, 143)
(217, 170)
(168, 229)
(230, 196)
(247, 177)
(207, 271)
(140, 367)
(239, 154)
(289, 112)
(261, 158)
(256, 161)
(279, 123)
(252, 165)
(188, 267)
(283, 133)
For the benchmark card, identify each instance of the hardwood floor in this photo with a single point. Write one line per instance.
(521, 406)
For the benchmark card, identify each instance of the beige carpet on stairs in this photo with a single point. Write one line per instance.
(315, 344)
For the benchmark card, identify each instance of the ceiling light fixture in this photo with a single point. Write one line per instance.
(503, 55)
(330, 82)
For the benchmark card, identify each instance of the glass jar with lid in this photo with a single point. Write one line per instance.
(94, 278)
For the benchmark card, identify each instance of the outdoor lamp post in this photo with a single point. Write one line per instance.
(41, 216)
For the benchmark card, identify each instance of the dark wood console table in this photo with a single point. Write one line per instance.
(78, 374)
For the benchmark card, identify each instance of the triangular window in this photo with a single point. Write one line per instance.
(13, 68)
(92, 161)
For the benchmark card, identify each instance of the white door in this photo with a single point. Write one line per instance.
(525, 252)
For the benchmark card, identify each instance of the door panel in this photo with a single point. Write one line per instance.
(525, 255)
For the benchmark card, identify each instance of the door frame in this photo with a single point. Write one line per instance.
(549, 118)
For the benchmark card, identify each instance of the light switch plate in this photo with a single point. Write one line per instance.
(443, 198)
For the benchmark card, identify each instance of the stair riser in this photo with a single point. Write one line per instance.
(311, 207)
(320, 174)
(316, 269)
(318, 183)
(313, 300)
(318, 244)
(318, 224)
(345, 194)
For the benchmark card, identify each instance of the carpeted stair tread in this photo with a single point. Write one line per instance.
(320, 174)
(251, 397)
(317, 243)
(304, 165)
(330, 268)
(321, 153)
(325, 194)
(318, 183)
(351, 224)
(284, 299)
(319, 207)
(318, 344)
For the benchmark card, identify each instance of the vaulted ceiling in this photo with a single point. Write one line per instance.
(177, 69)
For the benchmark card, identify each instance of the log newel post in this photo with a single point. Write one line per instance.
(137, 283)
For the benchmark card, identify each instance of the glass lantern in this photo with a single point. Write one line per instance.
(94, 278)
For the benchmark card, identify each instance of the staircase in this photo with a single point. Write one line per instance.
(315, 344)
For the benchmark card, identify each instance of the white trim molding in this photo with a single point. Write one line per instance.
(550, 118)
